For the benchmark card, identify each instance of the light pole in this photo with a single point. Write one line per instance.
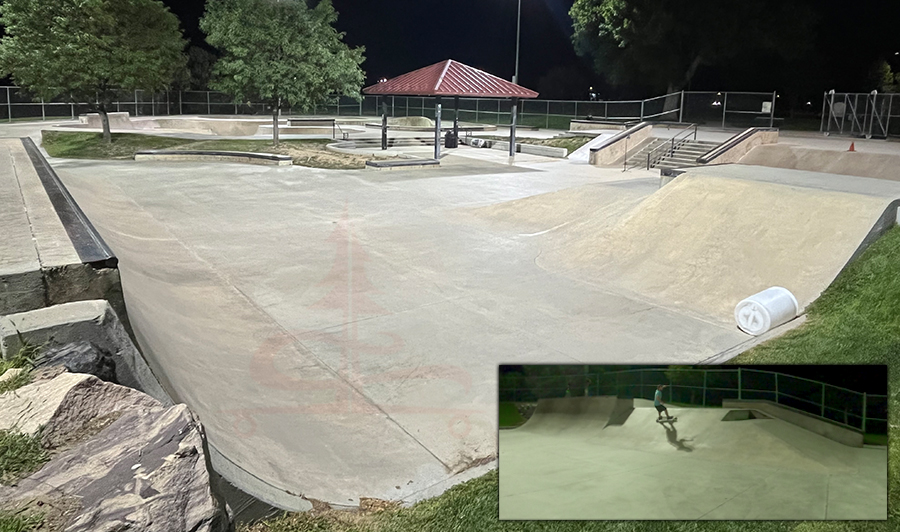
(518, 33)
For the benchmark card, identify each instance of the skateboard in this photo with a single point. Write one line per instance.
(669, 420)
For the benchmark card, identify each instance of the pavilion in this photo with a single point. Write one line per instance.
(452, 78)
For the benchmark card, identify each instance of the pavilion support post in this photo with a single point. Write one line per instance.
(437, 128)
(456, 118)
(384, 125)
(512, 128)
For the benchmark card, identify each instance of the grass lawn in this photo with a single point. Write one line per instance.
(510, 416)
(306, 152)
(24, 359)
(855, 321)
(20, 455)
(14, 522)
(569, 143)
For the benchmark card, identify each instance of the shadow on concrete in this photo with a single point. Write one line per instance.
(672, 436)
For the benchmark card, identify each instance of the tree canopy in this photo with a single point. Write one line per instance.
(87, 50)
(662, 44)
(281, 52)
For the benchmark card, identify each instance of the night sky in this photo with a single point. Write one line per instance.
(402, 35)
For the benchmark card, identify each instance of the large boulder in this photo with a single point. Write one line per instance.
(146, 471)
(64, 404)
(125, 461)
(81, 357)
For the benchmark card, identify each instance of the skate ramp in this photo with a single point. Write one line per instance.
(702, 467)
(874, 165)
(707, 240)
(554, 415)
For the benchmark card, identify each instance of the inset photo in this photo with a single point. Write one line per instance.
(751, 442)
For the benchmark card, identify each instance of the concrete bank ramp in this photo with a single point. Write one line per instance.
(583, 154)
(716, 235)
(555, 415)
(862, 164)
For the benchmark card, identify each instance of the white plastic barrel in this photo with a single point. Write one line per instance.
(770, 308)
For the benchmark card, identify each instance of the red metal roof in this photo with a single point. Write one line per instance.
(450, 78)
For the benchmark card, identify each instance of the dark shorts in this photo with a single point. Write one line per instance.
(660, 408)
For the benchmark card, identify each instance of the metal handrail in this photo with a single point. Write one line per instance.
(673, 144)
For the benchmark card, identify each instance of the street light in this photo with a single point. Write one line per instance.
(518, 33)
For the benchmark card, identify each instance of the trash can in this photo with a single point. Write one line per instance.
(765, 310)
(450, 140)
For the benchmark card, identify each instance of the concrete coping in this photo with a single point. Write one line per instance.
(203, 155)
(402, 163)
(88, 244)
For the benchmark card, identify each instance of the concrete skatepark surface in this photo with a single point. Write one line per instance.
(605, 458)
(338, 332)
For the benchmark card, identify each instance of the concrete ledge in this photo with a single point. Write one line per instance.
(615, 148)
(402, 164)
(591, 125)
(94, 321)
(531, 149)
(222, 156)
(735, 148)
(820, 426)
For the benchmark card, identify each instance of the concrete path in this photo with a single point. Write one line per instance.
(581, 463)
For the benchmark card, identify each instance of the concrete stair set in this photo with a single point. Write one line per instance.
(684, 156)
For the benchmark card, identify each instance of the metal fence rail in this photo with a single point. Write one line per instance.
(709, 387)
(721, 109)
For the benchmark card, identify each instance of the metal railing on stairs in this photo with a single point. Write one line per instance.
(668, 149)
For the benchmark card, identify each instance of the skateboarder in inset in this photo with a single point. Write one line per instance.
(658, 402)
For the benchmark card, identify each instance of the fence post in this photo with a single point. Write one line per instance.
(606, 110)
(724, 109)
(43, 112)
(704, 387)
(641, 387)
(137, 111)
(681, 109)
(642, 114)
(152, 104)
(8, 105)
(208, 111)
(548, 115)
(180, 101)
(823, 399)
(864, 413)
(576, 110)
(72, 104)
(772, 110)
(739, 383)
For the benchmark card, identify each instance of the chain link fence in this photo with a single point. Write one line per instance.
(708, 388)
(864, 115)
(717, 109)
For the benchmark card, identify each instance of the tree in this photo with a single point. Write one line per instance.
(663, 43)
(87, 50)
(281, 52)
(198, 71)
(882, 78)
